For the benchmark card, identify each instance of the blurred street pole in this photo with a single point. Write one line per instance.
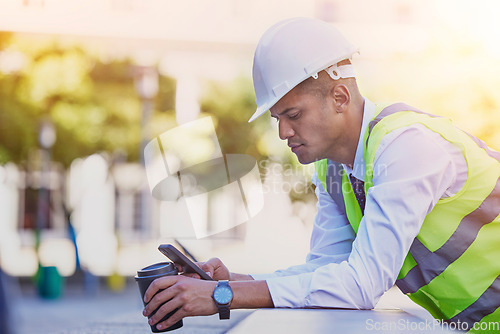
(46, 139)
(146, 85)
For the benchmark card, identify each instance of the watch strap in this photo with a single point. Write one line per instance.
(223, 312)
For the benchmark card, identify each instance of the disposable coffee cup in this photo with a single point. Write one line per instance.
(146, 276)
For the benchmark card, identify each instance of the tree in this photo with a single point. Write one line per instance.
(92, 104)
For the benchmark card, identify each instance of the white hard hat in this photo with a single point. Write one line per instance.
(293, 50)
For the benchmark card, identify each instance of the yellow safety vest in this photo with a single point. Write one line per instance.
(453, 267)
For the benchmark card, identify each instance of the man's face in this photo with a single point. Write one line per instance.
(310, 124)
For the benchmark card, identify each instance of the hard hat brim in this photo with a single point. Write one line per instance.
(259, 112)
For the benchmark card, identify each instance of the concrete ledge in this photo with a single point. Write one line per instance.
(343, 321)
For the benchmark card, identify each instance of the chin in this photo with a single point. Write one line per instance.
(304, 160)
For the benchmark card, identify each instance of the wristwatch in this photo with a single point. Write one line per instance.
(223, 295)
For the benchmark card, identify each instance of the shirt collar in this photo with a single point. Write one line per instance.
(358, 168)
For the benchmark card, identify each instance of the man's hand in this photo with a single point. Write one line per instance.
(218, 271)
(190, 296)
(193, 297)
(215, 269)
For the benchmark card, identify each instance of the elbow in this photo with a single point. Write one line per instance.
(366, 304)
(349, 300)
(347, 288)
(364, 294)
(362, 298)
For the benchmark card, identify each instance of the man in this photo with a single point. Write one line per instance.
(403, 197)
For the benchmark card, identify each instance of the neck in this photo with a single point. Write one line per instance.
(353, 132)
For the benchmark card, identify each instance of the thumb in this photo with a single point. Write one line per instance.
(208, 268)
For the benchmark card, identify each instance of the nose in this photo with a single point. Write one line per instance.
(284, 129)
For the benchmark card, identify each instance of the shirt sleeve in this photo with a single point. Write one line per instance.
(331, 238)
(413, 169)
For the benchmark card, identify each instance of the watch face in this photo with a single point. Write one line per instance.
(223, 295)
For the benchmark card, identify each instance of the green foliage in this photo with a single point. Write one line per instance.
(231, 105)
(17, 128)
(92, 104)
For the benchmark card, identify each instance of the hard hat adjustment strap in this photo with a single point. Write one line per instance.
(336, 72)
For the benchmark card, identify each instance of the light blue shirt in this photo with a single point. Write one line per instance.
(414, 167)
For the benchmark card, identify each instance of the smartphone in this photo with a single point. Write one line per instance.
(177, 257)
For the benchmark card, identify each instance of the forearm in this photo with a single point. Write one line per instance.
(251, 294)
(240, 277)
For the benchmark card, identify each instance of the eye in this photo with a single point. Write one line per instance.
(294, 115)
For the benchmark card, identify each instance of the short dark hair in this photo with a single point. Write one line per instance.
(318, 87)
(321, 86)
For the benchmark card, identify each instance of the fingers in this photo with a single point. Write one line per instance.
(159, 284)
(212, 266)
(191, 297)
(165, 309)
(183, 297)
(216, 269)
(207, 267)
(162, 297)
(173, 319)
(209, 271)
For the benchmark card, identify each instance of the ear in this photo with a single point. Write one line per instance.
(342, 97)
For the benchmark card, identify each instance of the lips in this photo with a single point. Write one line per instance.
(294, 147)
